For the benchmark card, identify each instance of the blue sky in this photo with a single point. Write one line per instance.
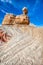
(35, 8)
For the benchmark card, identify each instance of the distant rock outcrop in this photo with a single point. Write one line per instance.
(19, 19)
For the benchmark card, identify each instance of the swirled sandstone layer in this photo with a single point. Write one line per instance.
(25, 46)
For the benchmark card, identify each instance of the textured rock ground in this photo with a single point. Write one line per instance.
(25, 46)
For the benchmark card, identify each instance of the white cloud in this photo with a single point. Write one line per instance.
(7, 1)
(10, 1)
(4, 11)
(31, 24)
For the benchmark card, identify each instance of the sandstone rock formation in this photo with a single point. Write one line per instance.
(8, 19)
(24, 48)
(22, 19)
(19, 19)
(4, 37)
(25, 11)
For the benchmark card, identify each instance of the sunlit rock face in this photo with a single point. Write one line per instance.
(18, 19)
(22, 19)
(25, 46)
(8, 19)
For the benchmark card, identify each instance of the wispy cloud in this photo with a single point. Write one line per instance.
(4, 11)
(10, 1)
